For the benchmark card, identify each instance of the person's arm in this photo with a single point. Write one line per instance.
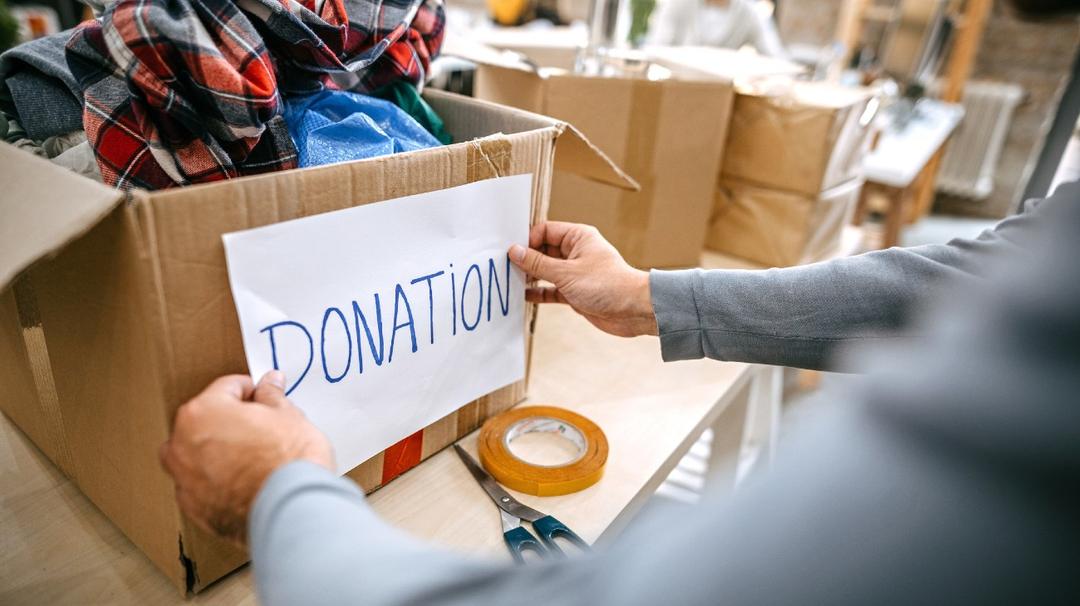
(798, 316)
(766, 38)
(749, 26)
(795, 316)
(946, 481)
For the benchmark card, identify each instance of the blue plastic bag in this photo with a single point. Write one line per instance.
(338, 126)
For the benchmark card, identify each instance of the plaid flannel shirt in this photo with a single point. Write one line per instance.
(189, 91)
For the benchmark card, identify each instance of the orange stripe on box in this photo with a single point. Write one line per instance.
(402, 456)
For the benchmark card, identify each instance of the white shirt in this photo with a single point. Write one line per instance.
(699, 23)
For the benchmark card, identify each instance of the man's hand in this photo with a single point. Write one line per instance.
(227, 441)
(589, 275)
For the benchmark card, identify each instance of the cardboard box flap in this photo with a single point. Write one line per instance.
(574, 152)
(44, 207)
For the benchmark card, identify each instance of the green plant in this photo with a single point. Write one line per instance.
(9, 28)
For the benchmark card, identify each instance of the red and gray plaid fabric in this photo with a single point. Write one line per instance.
(189, 91)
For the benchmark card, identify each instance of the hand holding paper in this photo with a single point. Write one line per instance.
(588, 274)
(227, 440)
(387, 317)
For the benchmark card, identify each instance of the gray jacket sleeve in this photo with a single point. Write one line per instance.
(798, 316)
(948, 478)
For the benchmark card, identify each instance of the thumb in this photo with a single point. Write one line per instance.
(271, 390)
(536, 263)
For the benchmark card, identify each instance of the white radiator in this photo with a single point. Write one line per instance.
(972, 155)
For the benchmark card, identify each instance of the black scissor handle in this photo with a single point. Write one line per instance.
(549, 529)
(518, 541)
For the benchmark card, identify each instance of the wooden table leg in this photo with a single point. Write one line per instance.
(862, 207)
(896, 217)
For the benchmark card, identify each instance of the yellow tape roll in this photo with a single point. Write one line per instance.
(543, 480)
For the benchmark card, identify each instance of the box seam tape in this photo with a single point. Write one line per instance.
(37, 352)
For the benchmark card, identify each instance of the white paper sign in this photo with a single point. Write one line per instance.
(387, 317)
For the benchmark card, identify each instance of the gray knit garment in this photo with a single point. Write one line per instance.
(38, 89)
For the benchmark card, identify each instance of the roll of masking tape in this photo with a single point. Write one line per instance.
(543, 480)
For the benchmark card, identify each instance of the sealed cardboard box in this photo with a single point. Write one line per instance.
(120, 308)
(665, 130)
(779, 228)
(803, 137)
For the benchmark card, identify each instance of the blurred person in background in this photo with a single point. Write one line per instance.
(721, 23)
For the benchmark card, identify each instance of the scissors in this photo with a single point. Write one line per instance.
(518, 540)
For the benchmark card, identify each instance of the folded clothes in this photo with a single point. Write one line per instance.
(337, 126)
(16, 135)
(178, 92)
(54, 146)
(38, 89)
(366, 43)
(407, 97)
(80, 159)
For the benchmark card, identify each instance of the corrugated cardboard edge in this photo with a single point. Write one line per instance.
(579, 156)
(186, 575)
(36, 226)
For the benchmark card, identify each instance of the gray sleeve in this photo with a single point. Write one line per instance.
(948, 479)
(798, 316)
(313, 540)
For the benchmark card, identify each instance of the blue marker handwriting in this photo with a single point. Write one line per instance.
(350, 338)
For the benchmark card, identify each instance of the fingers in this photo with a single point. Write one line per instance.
(271, 390)
(557, 238)
(536, 264)
(239, 387)
(549, 232)
(544, 294)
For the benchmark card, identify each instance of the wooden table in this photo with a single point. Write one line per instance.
(901, 164)
(55, 547)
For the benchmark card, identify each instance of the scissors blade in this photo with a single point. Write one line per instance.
(502, 498)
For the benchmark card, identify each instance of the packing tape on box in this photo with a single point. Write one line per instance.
(543, 480)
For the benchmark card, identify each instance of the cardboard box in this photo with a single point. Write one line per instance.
(778, 228)
(121, 308)
(665, 130)
(803, 137)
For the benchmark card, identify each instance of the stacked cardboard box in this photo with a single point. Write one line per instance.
(120, 308)
(665, 123)
(792, 171)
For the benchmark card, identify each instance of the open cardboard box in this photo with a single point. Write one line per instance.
(666, 126)
(120, 308)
